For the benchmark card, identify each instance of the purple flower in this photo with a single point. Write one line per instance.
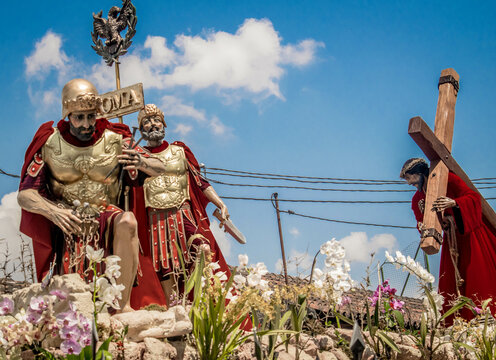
(38, 304)
(6, 306)
(345, 300)
(85, 339)
(397, 304)
(70, 347)
(373, 300)
(84, 323)
(62, 295)
(33, 316)
(478, 310)
(70, 333)
(68, 319)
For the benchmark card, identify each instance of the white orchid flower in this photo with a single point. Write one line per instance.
(243, 260)
(94, 255)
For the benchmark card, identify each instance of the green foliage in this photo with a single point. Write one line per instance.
(483, 340)
(216, 335)
(272, 328)
(380, 342)
(431, 324)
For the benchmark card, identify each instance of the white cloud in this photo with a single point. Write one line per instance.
(173, 106)
(10, 218)
(298, 263)
(358, 247)
(218, 128)
(182, 129)
(49, 98)
(251, 60)
(221, 238)
(294, 231)
(301, 54)
(47, 56)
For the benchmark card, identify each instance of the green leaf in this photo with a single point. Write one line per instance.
(376, 314)
(398, 315)
(461, 302)
(389, 342)
(105, 344)
(344, 318)
(423, 329)
(468, 347)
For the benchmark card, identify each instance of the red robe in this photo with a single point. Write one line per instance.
(476, 247)
(39, 228)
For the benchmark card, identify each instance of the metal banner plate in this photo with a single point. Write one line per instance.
(123, 101)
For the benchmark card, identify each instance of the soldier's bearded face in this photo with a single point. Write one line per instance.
(153, 129)
(82, 124)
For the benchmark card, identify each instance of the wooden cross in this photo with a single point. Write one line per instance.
(437, 147)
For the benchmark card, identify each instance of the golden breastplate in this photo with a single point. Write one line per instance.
(78, 173)
(170, 189)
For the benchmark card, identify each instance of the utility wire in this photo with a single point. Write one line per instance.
(301, 177)
(311, 181)
(302, 187)
(6, 173)
(319, 201)
(256, 174)
(329, 201)
(291, 212)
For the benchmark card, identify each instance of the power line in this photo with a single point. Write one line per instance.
(321, 201)
(331, 201)
(8, 174)
(300, 177)
(290, 212)
(399, 182)
(310, 181)
(303, 187)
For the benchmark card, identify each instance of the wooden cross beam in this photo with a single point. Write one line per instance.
(435, 151)
(437, 148)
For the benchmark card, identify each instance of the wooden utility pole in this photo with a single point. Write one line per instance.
(275, 195)
(437, 147)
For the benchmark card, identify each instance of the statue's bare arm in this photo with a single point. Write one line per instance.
(30, 200)
(133, 160)
(217, 201)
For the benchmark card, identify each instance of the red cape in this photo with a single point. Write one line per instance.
(476, 247)
(39, 228)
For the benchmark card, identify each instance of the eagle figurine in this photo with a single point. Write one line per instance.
(111, 27)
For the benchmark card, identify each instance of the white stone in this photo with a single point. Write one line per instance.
(325, 355)
(158, 350)
(156, 324)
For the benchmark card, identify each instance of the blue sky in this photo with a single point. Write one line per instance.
(320, 88)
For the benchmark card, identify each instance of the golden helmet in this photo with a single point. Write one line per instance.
(80, 95)
(150, 110)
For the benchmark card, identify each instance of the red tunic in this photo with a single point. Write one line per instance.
(476, 247)
(39, 228)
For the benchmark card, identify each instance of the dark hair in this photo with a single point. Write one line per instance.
(415, 166)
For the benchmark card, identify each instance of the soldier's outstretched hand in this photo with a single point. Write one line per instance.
(131, 159)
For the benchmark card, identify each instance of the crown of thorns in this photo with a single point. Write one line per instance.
(410, 164)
